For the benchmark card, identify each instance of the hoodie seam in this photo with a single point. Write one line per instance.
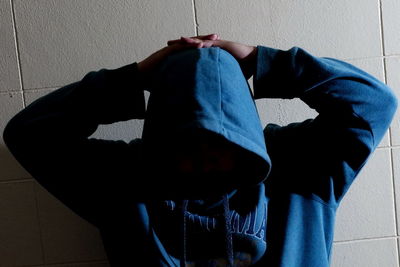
(221, 117)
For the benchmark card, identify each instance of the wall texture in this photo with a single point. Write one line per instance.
(46, 44)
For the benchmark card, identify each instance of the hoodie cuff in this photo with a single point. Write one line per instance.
(115, 94)
(129, 71)
(136, 84)
(274, 70)
(263, 66)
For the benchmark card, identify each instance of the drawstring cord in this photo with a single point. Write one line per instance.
(228, 233)
(183, 228)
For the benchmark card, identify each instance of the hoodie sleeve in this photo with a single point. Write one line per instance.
(354, 112)
(50, 140)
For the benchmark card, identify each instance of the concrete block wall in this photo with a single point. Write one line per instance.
(46, 44)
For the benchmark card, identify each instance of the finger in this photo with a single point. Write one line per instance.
(190, 40)
(212, 36)
(209, 43)
(171, 42)
(200, 43)
(182, 40)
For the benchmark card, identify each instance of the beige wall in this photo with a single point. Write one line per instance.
(45, 44)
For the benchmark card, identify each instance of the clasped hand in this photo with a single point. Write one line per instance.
(244, 54)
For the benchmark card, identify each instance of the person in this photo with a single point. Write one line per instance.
(207, 185)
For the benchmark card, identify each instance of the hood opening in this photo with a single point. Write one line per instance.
(205, 164)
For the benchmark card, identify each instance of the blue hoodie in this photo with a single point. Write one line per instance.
(277, 210)
(201, 95)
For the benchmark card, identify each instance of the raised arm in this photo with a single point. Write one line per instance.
(50, 138)
(355, 110)
(327, 85)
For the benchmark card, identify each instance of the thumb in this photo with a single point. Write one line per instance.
(189, 40)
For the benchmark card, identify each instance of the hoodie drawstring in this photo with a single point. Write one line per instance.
(227, 229)
(228, 233)
(183, 228)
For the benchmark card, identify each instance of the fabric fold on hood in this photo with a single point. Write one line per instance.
(201, 96)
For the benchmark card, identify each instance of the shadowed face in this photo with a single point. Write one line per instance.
(207, 165)
(206, 159)
(197, 165)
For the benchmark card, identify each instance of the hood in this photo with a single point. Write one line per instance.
(201, 95)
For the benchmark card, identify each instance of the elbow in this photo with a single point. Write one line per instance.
(9, 138)
(17, 138)
(10, 133)
(15, 132)
(383, 112)
(390, 104)
(384, 104)
(394, 103)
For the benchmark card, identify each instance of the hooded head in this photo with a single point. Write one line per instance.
(202, 129)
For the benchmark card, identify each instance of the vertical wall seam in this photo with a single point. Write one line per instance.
(383, 51)
(393, 188)
(17, 52)
(196, 23)
(395, 206)
(397, 251)
(381, 28)
(382, 36)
